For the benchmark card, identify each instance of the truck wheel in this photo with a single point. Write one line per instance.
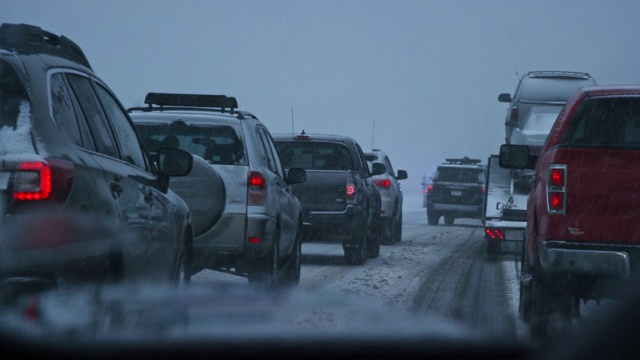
(433, 217)
(291, 276)
(265, 272)
(357, 256)
(449, 219)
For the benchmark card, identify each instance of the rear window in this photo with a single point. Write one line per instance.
(219, 144)
(610, 122)
(459, 174)
(12, 95)
(314, 155)
(550, 89)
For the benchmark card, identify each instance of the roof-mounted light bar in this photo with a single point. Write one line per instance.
(191, 100)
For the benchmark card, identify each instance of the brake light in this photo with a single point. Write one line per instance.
(37, 180)
(557, 189)
(382, 183)
(350, 189)
(429, 188)
(32, 181)
(256, 189)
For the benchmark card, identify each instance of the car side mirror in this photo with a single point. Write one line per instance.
(378, 169)
(402, 174)
(504, 97)
(296, 176)
(516, 157)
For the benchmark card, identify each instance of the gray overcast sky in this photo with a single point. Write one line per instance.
(428, 73)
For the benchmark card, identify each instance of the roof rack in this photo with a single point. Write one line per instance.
(569, 74)
(464, 161)
(191, 100)
(27, 39)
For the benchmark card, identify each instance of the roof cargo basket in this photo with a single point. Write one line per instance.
(191, 100)
(24, 38)
(464, 161)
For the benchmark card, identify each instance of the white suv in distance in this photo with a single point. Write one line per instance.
(249, 221)
(391, 194)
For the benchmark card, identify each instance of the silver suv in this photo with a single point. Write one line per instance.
(391, 196)
(247, 220)
(549, 89)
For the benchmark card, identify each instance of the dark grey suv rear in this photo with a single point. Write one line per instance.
(457, 191)
(68, 150)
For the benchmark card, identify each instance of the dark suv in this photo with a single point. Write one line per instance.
(541, 89)
(456, 191)
(68, 152)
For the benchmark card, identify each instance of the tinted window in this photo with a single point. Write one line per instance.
(606, 122)
(219, 144)
(93, 113)
(126, 134)
(11, 95)
(460, 174)
(546, 89)
(62, 109)
(316, 155)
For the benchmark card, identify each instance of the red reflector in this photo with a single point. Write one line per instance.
(31, 310)
(254, 240)
(556, 177)
(385, 183)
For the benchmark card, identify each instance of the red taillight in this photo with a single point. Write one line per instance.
(383, 183)
(35, 180)
(514, 114)
(429, 188)
(32, 181)
(254, 240)
(350, 189)
(256, 188)
(493, 234)
(557, 189)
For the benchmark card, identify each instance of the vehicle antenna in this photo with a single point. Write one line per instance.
(373, 133)
(292, 128)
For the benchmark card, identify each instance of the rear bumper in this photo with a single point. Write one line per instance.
(589, 259)
(504, 230)
(334, 226)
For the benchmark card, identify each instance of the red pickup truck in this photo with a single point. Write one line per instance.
(582, 239)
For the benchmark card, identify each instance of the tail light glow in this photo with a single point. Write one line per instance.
(493, 234)
(350, 189)
(382, 183)
(557, 189)
(256, 189)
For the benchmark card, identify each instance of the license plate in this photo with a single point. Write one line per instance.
(4, 180)
(456, 193)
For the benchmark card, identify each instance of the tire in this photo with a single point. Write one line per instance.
(397, 230)
(265, 272)
(185, 260)
(357, 256)
(373, 241)
(432, 217)
(291, 275)
(493, 248)
(387, 231)
(449, 219)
